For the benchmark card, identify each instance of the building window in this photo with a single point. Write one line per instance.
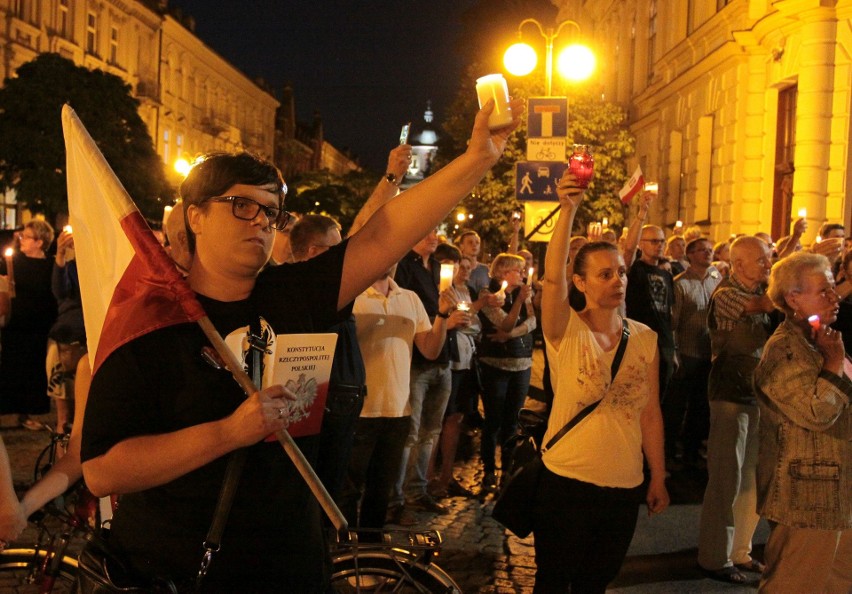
(690, 17)
(91, 33)
(652, 37)
(63, 19)
(178, 146)
(113, 45)
(166, 146)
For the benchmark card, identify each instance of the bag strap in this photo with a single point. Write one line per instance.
(236, 462)
(616, 364)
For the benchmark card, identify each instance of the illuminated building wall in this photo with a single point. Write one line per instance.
(741, 108)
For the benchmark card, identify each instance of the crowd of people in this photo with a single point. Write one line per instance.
(692, 354)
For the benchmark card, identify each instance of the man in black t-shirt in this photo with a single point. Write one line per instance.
(650, 297)
(160, 421)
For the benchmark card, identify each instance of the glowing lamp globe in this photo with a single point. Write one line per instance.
(576, 62)
(182, 166)
(520, 59)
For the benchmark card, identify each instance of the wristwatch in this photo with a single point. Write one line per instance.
(443, 315)
(392, 179)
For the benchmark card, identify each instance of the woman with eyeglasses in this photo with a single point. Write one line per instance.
(161, 422)
(23, 340)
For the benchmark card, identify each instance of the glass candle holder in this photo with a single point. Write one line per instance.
(582, 165)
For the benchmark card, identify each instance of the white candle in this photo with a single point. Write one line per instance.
(493, 86)
(605, 222)
(678, 224)
(10, 271)
(652, 187)
(803, 213)
(67, 229)
(818, 238)
(447, 271)
(167, 212)
(530, 275)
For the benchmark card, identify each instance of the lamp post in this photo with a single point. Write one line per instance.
(576, 62)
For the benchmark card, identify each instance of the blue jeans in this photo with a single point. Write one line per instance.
(503, 394)
(430, 391)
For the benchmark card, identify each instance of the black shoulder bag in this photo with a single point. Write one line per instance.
(514, 506)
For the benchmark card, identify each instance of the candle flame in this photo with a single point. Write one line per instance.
(814, 321)
(9, 252)
(803, 213)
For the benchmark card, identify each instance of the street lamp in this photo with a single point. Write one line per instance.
(576, 62)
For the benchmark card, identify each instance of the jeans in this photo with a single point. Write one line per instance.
(503, 394)
(374, 466)
(729, 514)
(342, 408)
(430, 391)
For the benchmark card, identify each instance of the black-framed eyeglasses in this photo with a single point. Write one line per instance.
(247, 209)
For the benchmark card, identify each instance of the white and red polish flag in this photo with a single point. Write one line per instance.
(632, 187)
(129, 285)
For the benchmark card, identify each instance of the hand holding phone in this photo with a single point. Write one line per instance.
(403, 134)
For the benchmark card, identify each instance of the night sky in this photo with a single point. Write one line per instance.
(366, 66)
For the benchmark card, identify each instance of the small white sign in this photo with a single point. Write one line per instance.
(546, 149)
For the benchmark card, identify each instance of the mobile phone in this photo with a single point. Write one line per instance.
(516, 215)
(403, 134)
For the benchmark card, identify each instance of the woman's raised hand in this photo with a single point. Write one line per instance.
(569, 192)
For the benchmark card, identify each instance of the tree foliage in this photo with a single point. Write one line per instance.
(32, 148)
(322, 192)
(591, 121)
(490, 27)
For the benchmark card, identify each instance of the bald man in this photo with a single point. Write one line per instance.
(739, 327)
(176, 239)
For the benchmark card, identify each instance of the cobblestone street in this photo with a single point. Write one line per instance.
(483, 558)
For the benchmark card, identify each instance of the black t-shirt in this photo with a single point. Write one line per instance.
(649, 299)
(160, 383)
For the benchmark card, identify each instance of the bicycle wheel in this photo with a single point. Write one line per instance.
(380, 571)
(20, 573)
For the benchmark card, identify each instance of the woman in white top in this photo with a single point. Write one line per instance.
(588, 498)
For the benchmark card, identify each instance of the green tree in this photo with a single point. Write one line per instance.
(32, 148)
(337, 196)
(592, 121)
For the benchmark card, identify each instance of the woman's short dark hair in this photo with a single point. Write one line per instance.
(576, 298)
(214, 173)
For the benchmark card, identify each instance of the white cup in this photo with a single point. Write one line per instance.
(493, 86)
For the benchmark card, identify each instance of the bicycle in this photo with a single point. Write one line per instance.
(369, 560)
(364, 560)
(46, 566)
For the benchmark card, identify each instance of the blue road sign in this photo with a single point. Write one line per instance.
(547, 117)
(536, 180)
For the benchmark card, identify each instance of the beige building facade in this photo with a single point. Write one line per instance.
(741, 108)
(191, 99)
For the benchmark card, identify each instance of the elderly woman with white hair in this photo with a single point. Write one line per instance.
(804, 470)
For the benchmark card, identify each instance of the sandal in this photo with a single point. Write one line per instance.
(752, 566)
(730, 575)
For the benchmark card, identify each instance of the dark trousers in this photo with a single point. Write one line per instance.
(374, 466)
(503, 394)
(582, 533)
(686, 411)
(342, 408)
